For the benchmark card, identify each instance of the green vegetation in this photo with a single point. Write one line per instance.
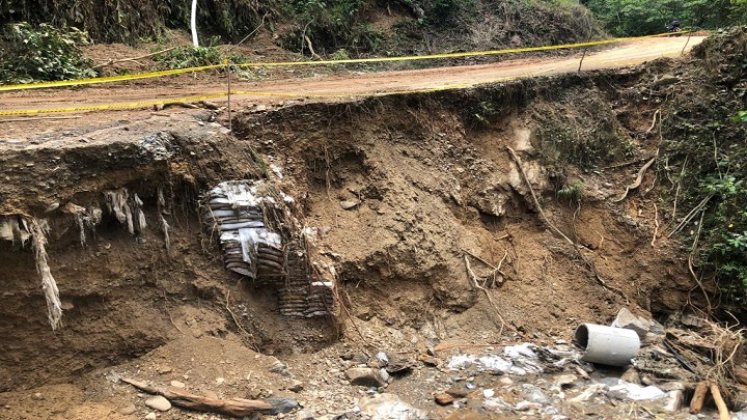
(572, 193)
(183, 57)
(37, 53)
(640, 17)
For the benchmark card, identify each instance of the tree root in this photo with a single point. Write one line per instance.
(638, 179)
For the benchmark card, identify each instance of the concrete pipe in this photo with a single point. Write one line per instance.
(607, 345)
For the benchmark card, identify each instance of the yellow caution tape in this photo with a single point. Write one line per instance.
(113, 106)
(164, 73)
(222, 95)
(108, 79)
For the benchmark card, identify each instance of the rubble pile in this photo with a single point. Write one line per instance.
(239, 211)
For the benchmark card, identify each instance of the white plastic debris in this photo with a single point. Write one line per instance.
(635, 392)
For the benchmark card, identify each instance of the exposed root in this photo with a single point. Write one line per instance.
(638, 179)
(39, 230)
(476, 283)
(656, 224)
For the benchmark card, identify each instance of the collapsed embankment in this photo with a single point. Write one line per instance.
(408, 200)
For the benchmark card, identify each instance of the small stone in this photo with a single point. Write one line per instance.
(164, 370)
(505, 380)
(534, 394)
(488, 393)
(38, 396)
(349, 204)
(442, 398)
(283, 405)
(305, 415)
(158, 403)
(496, 405)
(127, 409)
(566, 380)
(673, 401)
(296, 386)
(526, 406)
(631, 375)
(220, 381)
(428, 360)
(457, 392)
(151, 416)
(177, 384)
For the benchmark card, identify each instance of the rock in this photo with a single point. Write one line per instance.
(283, 405)
(389, 406)
(526, 406)
(488, 393)
(158, 403)
(634, 392)
(457, 392)
(496, 405)
(641, 325)
(365, 377)
(631, 375)
(150, 416)
(382, 358)
(38, 396)
(567, 380)
(164, 370)
(220, 381)
(177, 384)
(534, 394)
(349, 204)
(305, 415)
(442, 398)
(127, 409)
(428, 360)
(588, 393)
(296, 386)
(673, 401)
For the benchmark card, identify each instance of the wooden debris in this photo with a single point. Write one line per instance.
(696, 404)
(723, 412)
(235, 407)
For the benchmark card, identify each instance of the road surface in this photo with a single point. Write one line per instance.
(627, 53)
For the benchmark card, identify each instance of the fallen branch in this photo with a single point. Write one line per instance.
(534, 197)
(112, 61)
(696, 404)
(638, 179)
(723, 412)
(235, 407)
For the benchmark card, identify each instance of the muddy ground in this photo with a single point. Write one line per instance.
(397, 194)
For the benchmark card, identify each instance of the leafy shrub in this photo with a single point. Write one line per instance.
(183, 57)
(638, 17)
(43, 52)
(573, 192)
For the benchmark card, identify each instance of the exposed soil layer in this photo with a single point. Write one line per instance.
(397, 193)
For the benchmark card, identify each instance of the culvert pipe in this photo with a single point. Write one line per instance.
(607, 345)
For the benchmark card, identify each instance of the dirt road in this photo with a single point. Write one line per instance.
(340, 87)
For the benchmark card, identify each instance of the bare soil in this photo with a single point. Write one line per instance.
(432, 181)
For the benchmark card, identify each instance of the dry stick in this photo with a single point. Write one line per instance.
(582, 60)
(696, 404)
(653, 123)
(66, 117)
(656, 223)
(228, 82)
(473, 277)
(588, 263)
(689, 217)
(235, 407)
(723, 412)
(110, 62)
(638, 179)
(236, 320)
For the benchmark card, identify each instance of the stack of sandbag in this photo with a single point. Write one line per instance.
(235, 210)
